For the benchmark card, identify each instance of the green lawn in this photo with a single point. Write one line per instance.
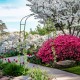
(75, 70)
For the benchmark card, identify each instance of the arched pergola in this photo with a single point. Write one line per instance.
(25, 18)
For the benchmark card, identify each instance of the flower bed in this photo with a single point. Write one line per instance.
(11, 69)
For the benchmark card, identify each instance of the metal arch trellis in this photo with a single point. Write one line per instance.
(24, 24)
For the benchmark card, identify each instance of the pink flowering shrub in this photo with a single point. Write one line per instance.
(66, 47)
(45, 52)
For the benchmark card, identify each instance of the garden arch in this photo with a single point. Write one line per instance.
(25, 18)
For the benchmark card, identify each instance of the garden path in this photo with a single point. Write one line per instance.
(55, 73)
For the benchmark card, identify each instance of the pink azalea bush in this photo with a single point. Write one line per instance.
(66, 47)
(45, 52)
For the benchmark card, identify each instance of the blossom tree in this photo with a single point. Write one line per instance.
(2, 26)
(2, 32)
(64, 13)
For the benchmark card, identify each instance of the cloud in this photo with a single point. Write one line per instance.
(16, 12)
(12, 14)
(7, 6)
(12, 29)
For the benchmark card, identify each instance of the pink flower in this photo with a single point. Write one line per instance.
(9, 61)
(22, 62)
(66, 47)
(16, 61)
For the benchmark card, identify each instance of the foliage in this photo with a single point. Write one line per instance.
(26, 34)
(49, 25)
(33, 32)
(31, 50)
(46, 29)
(13, 69)
(37, 74)
(1, 63)
(35, 59)
(62, 12)
(66, 47)
(2, 27)
(10, 53)
(41, 31)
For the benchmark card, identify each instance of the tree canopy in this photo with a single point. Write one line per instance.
(2, 26)
(62, 12)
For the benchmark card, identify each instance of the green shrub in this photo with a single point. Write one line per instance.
(37, 74)
(13, 69)
(7, 55)
(10, 53)
(35, 60)
(14, 53)
(1, 63)
(29, 52)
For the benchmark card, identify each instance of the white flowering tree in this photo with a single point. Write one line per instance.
(64, 13)
(2, 28)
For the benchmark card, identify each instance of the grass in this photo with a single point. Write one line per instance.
(75, 70)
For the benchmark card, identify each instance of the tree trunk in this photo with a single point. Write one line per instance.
(62, 30)
(78, 32)
(73, 31)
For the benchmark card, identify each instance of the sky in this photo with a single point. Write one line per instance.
(12, 11)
